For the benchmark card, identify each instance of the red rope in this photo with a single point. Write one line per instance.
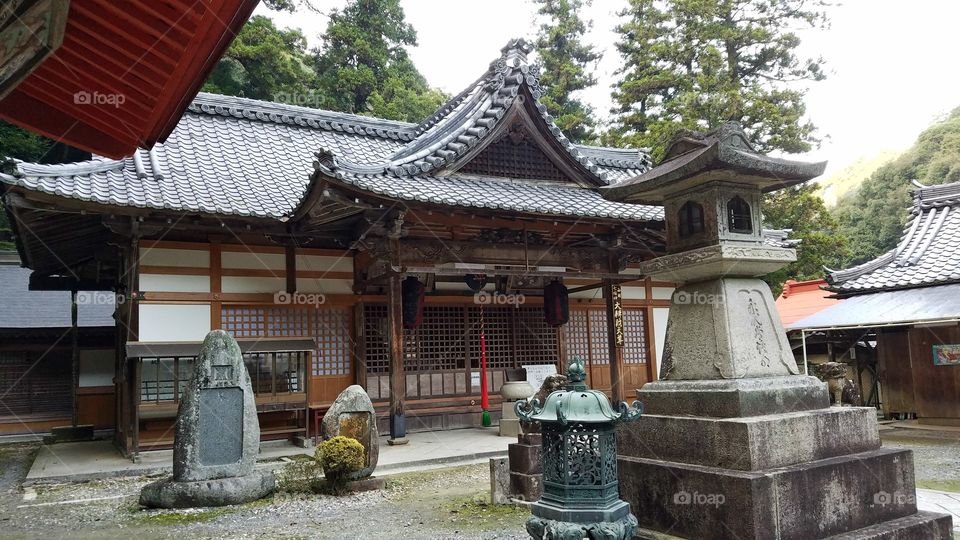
(484, 395)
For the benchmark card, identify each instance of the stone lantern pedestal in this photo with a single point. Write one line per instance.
(735, 442)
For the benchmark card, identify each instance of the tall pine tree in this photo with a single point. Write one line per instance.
(694, 64)
(364, 56)
(565, 66)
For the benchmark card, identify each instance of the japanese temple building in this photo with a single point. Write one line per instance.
(905, 302)
(294, 229)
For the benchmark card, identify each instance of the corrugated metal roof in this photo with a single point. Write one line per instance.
(907, 306)
(801, 299)
(23, 308)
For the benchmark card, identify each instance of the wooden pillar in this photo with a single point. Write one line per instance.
(398, 378)
(75, 357)
(290, 268)
(216, 284)
(611, 293)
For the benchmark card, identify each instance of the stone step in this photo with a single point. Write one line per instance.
(919, 526)
(753, 443)
(810, 500)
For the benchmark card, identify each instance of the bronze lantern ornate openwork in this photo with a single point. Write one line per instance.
(580, 485)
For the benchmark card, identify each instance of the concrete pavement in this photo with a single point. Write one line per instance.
(80, 461)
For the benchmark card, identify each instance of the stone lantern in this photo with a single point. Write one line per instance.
(735, 442)
(581, 498)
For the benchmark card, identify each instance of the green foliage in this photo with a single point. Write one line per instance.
(874, 215)
(565, 60)
(339, 457)
(300, 476)
(265, 62)
(363, 65)
(694, 64)
(799, 208)
(848, 179)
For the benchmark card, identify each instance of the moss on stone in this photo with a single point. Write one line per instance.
(167, 519)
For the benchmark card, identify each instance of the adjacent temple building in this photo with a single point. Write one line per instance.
(293, 228)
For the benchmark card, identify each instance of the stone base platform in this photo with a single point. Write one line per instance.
(168, 493)
(621, 529)
(754, 442)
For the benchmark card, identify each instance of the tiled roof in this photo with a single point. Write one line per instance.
(23, 308)
(928, 253)
(239, 157)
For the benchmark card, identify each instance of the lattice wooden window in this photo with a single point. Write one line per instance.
(243, 321)
(288, 322)
(35, 387)
(599, 343)
(439, 343)
(578, 335)
(536, 340)
(376, 339)
(498, 337)
(634, 336)
(521, 159)
(164, 379)
(334, 353)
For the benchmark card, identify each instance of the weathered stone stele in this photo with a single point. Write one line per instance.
(352, 415)
(217, 435)
(217, 431)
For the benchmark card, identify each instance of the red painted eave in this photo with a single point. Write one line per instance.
(801, 299)
(125, 72)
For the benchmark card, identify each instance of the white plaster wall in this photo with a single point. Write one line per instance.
(253, 261)
(239, 284)
(662, 293)
(96, 367)
(633, 293)
(174, 257)
(173, 283)
(325, 286)
(324, 263)
(659, 332)
(174, 322)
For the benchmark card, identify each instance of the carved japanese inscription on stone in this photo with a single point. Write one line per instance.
(221, 425)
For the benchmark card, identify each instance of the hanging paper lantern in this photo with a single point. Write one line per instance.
(475, 281)
(556, 304)
(412, 294)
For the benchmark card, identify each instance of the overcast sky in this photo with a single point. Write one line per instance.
(892, 64)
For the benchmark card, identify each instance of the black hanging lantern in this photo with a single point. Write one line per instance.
(475, 281)
(556, 304)
(412, 294)
(581, 497)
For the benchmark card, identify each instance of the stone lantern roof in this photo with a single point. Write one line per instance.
(693, 159)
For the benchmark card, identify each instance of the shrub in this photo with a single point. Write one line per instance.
(340, 457)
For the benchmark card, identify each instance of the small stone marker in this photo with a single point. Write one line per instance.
(352, 415)
(217, 435)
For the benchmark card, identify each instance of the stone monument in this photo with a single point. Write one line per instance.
(735, 442)
(510, 392)
(352, 415)
(217, 435)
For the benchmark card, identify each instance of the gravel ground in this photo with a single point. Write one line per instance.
(936, 455)
(449, 503)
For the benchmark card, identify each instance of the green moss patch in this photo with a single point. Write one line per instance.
(940, 485)
(477, 513)
(184, 517)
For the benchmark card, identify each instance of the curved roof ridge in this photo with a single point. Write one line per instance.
(927, 197)
(840, 276)
(468, 119)
(282, 113)
(621, 158)
(96, 164)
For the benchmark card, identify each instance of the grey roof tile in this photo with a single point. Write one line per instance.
(232, 156)
(928, 252)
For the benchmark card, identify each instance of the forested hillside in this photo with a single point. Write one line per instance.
(834, 187)
(872, 217)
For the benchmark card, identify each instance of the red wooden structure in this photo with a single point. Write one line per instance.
(125, 71)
